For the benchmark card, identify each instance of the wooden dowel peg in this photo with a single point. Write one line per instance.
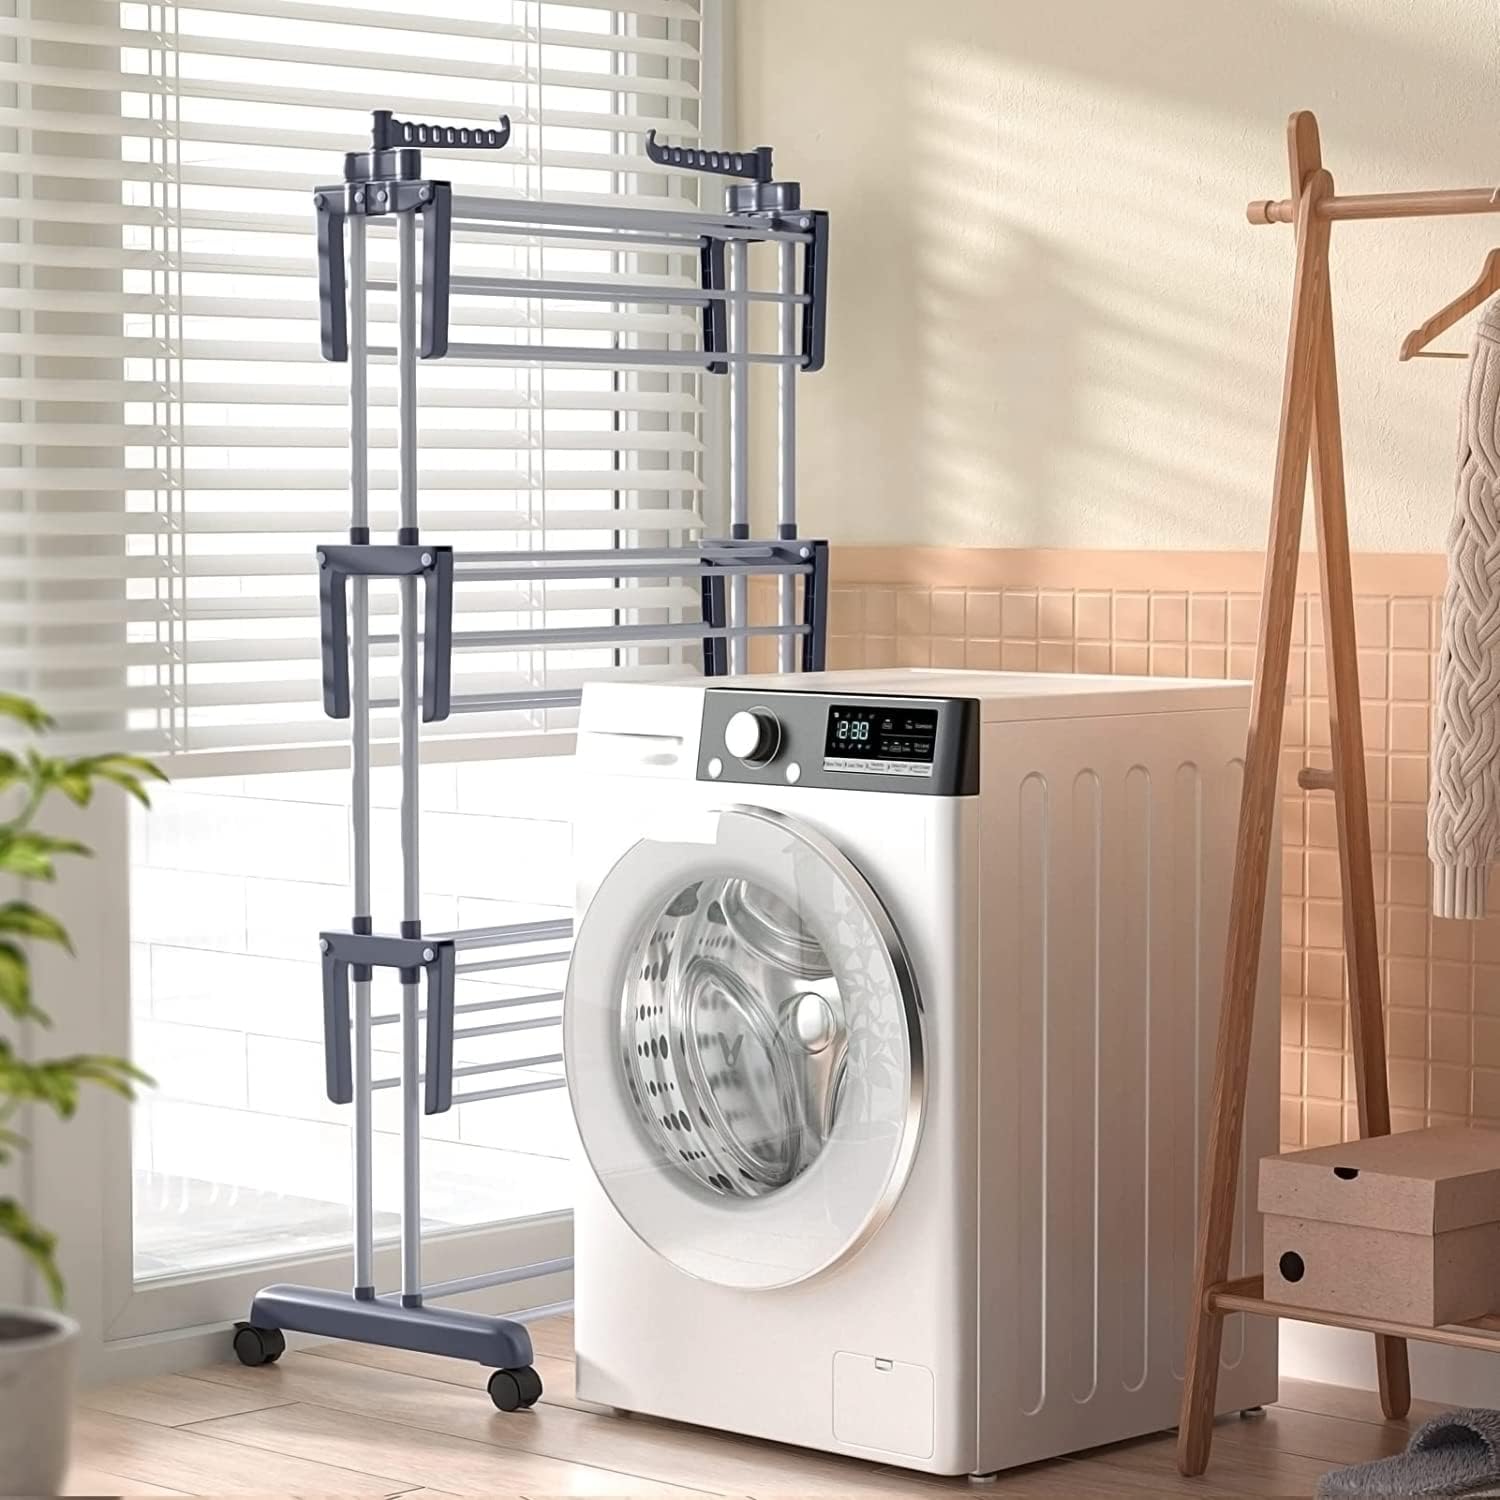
(1442, 203)
(1316, 779)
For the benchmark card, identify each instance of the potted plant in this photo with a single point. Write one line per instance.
(37, 1345)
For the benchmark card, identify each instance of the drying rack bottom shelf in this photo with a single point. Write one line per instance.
(1247, 1295)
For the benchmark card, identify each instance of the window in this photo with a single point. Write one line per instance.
(238, 1153)
(176, 450)
(182, 447)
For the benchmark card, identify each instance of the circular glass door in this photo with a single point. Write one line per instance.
(744, 1052)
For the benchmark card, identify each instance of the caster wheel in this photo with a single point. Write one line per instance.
(258, 1346)
(515, 1390)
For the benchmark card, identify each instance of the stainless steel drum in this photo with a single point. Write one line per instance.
(734, 1037)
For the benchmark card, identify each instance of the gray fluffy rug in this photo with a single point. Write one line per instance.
(1457, 1453)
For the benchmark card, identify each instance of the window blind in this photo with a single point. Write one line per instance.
(174, 445)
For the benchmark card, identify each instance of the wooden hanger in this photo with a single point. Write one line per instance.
(1416, 342)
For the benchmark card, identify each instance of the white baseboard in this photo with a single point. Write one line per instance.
(1339, 1356)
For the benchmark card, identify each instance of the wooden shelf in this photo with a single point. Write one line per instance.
(1247, 1295)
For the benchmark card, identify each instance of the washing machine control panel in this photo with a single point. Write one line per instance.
(927, 746)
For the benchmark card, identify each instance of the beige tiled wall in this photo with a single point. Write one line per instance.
(1178, 614)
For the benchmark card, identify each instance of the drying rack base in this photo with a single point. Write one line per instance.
(499, 1343)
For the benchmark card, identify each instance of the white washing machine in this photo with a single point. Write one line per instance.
(888, 1037)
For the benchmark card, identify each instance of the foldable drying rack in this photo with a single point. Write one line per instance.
(387, 183)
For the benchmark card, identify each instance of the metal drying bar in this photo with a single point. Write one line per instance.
(608, 359)
(487, 965)
(598, 635)
(383, 189)
(515, 1065)
(507, 1002)
(600, 291)
(503, 937)
(722, 627)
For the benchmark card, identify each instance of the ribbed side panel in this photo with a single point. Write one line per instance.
(1179, 1014)
(1132, 1070)
(1106, 946)
(1034, 990)
(1080, 1057)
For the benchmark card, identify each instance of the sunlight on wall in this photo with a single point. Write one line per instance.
(1050, 323)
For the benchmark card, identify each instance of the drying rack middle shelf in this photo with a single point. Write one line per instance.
(352, 957)
(442, 570)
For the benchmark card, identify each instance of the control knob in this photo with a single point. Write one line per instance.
(753, 735)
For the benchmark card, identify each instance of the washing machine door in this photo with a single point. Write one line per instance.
(743, 1040)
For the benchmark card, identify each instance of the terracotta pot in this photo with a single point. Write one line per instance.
(37, 1353)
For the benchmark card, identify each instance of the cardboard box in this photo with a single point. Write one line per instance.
(1403, 1227)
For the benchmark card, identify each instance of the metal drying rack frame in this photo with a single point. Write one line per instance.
(387, 183)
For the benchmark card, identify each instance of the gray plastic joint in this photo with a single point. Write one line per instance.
(434, 566)
(364, 1294)
(349, 956)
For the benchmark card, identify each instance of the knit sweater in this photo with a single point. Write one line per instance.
(1463, 815)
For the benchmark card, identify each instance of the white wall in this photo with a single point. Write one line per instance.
(1051, 323)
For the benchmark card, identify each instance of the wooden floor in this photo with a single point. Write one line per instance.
(343, 1419)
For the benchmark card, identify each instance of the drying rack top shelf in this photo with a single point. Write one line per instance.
(388, 180)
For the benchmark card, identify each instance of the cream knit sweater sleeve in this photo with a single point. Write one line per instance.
(1463, 815)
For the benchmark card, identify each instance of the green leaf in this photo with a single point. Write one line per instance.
(112, 1073)
(127, 771)
(131, 784)
(135, 763)
(35, 1243)
(29, 854)
(11, 770)
(77, 788)
(15, 985)
(49, 1083)
(46, 772)
(10, 1145)
(25, 920)
(55, 1082)
(13, 706)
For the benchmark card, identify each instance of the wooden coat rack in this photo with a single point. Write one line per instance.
(1309, 432)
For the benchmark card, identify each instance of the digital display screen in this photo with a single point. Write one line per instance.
(897, 740)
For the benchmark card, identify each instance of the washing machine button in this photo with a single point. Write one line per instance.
(753, 735)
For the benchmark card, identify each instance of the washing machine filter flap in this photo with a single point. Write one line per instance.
(744, 1050)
